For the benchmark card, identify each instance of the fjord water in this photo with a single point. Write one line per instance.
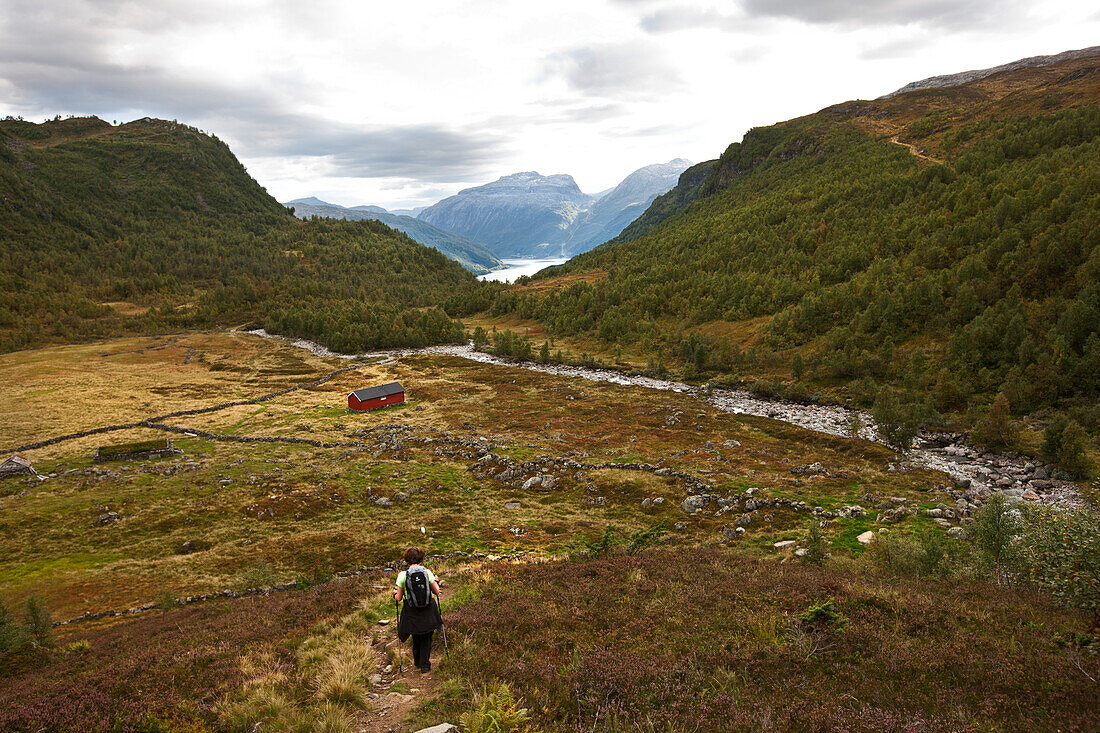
(519, 268)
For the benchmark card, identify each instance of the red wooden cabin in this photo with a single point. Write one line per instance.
(370, 398)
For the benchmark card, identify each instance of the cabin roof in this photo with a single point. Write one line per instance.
(372, 393)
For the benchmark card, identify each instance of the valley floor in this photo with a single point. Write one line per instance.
(484, 461)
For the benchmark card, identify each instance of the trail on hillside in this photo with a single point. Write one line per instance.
(392, 710)
(917, 152)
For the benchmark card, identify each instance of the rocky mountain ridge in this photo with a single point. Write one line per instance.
(530, 215)
(965, 77)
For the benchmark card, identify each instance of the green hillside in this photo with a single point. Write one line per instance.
(943, 242)
(466, 252)
(154, 225)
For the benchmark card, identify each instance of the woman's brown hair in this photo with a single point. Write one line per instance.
(414, 556)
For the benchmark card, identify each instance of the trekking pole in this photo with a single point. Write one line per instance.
(442, 628)
(397, 622)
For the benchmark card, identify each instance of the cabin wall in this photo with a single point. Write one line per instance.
(393, 399)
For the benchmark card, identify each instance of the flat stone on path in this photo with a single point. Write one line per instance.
(441, 728)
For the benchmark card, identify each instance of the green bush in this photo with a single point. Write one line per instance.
(1064, 443)
(12, 635)
(992, 536)
(1059, 552)
(926, 553)
(38, 622)
(824, 615)
(995, 430)
(816, 545)
(898, 421)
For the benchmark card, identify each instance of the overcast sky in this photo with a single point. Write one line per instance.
(400, 103)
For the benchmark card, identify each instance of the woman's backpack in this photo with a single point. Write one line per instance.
(418, 589)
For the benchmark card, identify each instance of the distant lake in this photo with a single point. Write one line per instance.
(519, 268)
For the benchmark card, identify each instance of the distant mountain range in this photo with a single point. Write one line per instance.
(466, 252)
(611, 212)
(523, 215)
(531, 215)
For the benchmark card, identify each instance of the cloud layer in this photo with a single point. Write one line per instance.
(394, 103)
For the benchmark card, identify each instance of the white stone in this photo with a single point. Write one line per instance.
(441, 728)
(866, 538)
(784, 543)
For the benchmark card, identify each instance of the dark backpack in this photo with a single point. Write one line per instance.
(418, 590)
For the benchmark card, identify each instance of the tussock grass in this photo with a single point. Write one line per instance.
(321, 689)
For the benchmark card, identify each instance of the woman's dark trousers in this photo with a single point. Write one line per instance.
(422, 651)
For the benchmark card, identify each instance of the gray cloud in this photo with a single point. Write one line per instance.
(630, 69)
(56, 57)
(950, 14)
(682, 17)
(896, 49)
(941, 13)
(422, 152)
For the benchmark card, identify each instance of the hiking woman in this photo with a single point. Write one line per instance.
(420, 616)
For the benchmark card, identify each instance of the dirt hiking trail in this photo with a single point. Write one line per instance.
(392, 710)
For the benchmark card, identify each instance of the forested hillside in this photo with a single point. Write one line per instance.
(154, 225)
(466, 252)
(945, 242)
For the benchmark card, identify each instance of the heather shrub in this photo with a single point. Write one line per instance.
(703, 639)
(495, 710)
